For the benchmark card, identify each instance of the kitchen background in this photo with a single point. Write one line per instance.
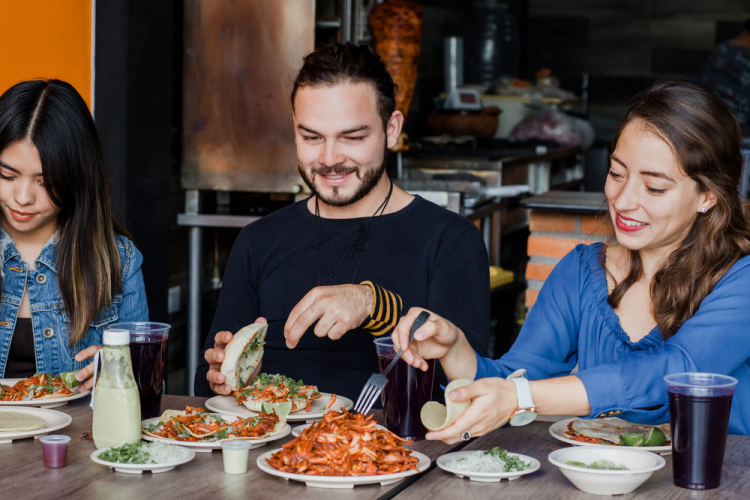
(138, 72)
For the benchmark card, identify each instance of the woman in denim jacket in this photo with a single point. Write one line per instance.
(68, 269)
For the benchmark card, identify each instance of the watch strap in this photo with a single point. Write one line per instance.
(523, 389)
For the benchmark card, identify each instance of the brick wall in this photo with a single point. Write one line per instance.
(552, 236)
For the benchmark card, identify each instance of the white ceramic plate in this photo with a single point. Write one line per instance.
(42, 403)
(55, 420)
(343, 482)
(557, 430)
(296, 431)
(216, 445)
(187, 455)
(445, 461)
(227, 404)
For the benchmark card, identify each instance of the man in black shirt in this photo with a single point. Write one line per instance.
(334, 271)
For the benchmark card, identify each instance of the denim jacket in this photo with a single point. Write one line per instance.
(48, 317)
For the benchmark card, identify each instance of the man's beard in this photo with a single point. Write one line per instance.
(368, 181)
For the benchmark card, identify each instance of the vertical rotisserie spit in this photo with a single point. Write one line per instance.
(396, 26)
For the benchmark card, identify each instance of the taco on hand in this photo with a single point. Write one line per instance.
(242, 355)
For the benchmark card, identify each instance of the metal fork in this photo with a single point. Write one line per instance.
(377, 381)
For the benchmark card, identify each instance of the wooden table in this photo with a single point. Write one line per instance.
(548, 482)
(24, 475)
(22, 471)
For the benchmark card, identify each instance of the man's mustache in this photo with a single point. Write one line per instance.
(334, 170)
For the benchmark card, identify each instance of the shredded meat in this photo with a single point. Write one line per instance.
(344, 444)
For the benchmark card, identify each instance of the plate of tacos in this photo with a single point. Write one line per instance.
(195, 428)
(293, 398)
(284, 395)
(45, 390)
(613, 432)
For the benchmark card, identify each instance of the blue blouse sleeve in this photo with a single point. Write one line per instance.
(715, 340)
(547, 345)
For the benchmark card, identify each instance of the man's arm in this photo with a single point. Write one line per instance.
(387, 309)
(238, 307)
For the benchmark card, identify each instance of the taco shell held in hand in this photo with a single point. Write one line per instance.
(435, 416)
(242, 355)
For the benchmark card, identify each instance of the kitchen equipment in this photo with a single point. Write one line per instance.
(463, 99)
(453, 63)
(481, 125)
(240, 60)
(491, 43)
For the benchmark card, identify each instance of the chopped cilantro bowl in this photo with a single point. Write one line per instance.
(143, 452)
(495, 460)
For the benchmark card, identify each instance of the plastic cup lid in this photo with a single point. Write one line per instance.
(700, 380)
(235, 445)
(116, 336)
(55, 439)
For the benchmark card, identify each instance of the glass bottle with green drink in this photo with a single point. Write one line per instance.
(117, 408)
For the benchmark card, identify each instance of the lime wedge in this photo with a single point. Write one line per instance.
(281, 409)
(632, 439)
(69, 379)
(655, 437)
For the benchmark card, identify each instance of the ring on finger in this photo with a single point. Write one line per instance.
(466, 435)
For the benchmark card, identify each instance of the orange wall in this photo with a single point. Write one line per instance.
(46, 38)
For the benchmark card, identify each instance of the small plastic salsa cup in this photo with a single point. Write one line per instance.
(235, 454)
(55, 450)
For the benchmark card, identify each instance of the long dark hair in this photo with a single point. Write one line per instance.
(706, 140)
(51, 115)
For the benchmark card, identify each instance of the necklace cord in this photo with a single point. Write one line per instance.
(360, 234)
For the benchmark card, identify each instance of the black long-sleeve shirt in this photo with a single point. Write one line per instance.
(428, 256)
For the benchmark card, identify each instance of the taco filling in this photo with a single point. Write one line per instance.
(40, 386)
(277, 388)
(608, 431)
(194, 424)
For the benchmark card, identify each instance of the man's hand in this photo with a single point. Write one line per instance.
(337, 309)
(215, 357)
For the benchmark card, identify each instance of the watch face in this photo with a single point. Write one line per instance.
(523, 418)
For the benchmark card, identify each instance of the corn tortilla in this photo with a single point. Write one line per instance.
(436, 416)
(17, 421)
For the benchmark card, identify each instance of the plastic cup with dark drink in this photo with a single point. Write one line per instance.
(699, 406)
(55, 450)
(148, 353)
(408, 389)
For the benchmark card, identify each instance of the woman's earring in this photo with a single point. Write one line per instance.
(703, 210)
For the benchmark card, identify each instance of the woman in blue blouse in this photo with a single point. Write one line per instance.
(68, 270)
(671, 295)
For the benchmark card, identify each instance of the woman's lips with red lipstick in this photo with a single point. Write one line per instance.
(626, 224)
(21, 216)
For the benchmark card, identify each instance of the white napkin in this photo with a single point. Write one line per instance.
(96, 370)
